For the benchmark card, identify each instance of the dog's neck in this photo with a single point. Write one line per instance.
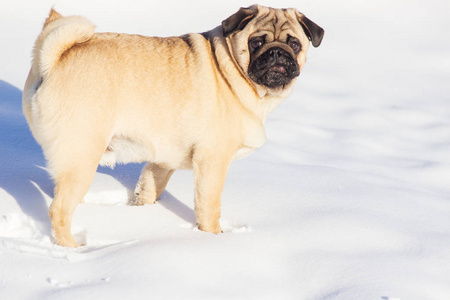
(259, 100)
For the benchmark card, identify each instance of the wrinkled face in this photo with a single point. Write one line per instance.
(270, 46)
(274, 55)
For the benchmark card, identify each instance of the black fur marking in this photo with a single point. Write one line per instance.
(207, 35)
(313, 31)
(187, 39)
(239, 20)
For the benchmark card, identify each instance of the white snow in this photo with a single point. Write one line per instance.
(348, 199)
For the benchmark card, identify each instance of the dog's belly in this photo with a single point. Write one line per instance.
(174, 153)
(123, 150)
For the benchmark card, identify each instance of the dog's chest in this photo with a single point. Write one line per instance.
(254, 136)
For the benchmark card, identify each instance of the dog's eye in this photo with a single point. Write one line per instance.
(256, 44)
(294, 45)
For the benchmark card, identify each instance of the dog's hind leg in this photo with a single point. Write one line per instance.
(151, 184)
(73, 175)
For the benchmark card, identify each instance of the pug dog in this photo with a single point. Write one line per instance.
(196, 101)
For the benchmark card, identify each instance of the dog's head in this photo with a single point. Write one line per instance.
(270, 45)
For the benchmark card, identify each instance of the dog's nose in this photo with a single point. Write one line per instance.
(275, 52)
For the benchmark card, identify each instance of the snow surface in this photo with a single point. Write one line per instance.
(349, 198)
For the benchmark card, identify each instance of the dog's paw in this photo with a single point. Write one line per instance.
(142, 196)
(213, 228)
(66, 241)
(141, 199)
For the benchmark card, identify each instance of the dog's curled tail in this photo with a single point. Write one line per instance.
(58, 35)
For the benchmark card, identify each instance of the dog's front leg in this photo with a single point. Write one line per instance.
(210, 172)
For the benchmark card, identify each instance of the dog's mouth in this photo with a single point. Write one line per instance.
(278, 69)
(274, 68)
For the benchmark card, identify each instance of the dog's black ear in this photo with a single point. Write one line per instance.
(313, 31)
(239, 20)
